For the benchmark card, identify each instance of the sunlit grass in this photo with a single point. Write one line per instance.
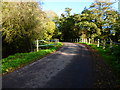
(18, 60)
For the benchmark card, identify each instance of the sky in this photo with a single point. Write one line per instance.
(58, 6)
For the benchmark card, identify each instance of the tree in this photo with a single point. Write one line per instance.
(104, 15)
(22, 24)
(51, 14)
(116, 30)
(65, 24)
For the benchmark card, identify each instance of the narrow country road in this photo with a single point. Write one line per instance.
(70, 67)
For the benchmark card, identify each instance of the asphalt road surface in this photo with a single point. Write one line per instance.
(70, 67)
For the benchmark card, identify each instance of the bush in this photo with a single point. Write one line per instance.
(115, 51)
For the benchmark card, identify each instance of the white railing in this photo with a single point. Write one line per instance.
(97, 42)
(52, 40)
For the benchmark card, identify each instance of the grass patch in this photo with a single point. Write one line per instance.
(18, 60)
(111, 56)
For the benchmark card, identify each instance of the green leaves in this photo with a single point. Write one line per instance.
(22, 24)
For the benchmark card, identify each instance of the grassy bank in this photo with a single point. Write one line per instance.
(111, 56)
(18, 60)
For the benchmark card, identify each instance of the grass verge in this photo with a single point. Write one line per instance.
(110, 56)
(19, 60)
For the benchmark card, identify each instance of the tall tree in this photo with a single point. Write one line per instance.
(115, 33)
(22, 24)
(104, 15)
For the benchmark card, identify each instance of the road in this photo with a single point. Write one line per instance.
(70, 67)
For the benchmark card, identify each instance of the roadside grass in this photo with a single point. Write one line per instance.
(19, 60)
(111, 56)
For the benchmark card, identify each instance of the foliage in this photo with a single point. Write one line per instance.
(97, 21)
(105, 17)
(116, 29)
(22, 24)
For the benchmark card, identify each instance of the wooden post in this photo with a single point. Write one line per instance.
(85, 40)
(110, 43)
(98, 44)
(37, 46)
(92, 40)
(104, 43)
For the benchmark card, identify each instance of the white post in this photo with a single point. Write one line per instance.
(98, 45)
(37, 45)
(89, 40)
(86, 40)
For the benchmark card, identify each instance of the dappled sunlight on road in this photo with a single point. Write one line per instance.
(69, 53)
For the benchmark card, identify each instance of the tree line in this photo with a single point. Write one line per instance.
(25, 22)
(99, 21)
